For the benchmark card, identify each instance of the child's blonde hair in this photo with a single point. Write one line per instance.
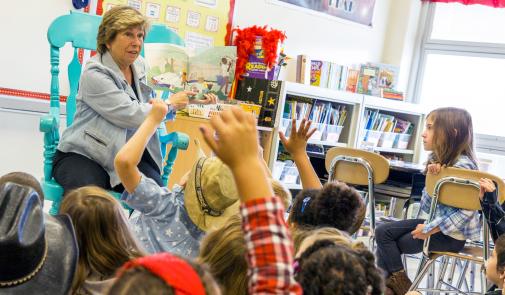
(104, 239)
(224, 251)
(326, 233)
(282, 192)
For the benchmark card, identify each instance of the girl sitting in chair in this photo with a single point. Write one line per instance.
(449, 136)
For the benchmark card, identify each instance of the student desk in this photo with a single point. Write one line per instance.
(190, 125)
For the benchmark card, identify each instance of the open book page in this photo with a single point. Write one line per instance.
(208, 70)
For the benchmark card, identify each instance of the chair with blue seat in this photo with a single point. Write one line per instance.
(80, 29)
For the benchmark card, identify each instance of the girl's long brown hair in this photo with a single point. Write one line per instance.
(453, 135)
(105, 242)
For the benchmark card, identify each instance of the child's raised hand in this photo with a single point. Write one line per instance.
(297, 142)
(159, 110)
(434, 168)
(486, 186)
(236, 140)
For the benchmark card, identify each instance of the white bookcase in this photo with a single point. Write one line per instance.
(356, 105)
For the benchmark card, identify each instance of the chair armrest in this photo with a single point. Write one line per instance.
(48, 123)
(178, 140)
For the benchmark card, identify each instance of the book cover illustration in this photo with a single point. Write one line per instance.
(352, 80)
(315, 72)
(206, 70)
(255, 66)
(367, 82)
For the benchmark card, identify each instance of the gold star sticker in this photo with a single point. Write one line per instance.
(271, 101)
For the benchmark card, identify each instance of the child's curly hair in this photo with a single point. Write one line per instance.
(339, 205)
(335, 205)
(328, 268)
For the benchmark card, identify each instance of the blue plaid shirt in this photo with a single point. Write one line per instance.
(457, 223)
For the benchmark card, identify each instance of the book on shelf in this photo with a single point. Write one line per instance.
(316, 69)
(376, 121)
(264, 93)
(173, 68)
(367, 80)
(391, 94)
(298, 108)
(388, 75)
(352, 80)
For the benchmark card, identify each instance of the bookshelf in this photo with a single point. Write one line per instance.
(410, 112)
(356, 106)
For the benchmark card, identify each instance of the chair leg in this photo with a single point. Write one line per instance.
(424, 266)
(442, 271)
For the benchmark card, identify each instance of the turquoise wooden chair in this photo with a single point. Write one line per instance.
(80, 30)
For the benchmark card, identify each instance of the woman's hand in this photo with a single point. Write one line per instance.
(486, 186)
(180, 100)
(296, 144)
(209, 98)
(158, 111)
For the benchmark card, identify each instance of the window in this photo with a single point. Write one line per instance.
(460, 63)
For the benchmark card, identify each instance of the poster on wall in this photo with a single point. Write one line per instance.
(201, 23)
(359, 11)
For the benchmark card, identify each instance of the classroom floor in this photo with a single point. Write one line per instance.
(466, 284)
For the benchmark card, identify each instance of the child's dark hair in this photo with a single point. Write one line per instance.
(23, 178)
(499, 247)
(140, 281)
(328, 268)
(335, 205)
(301, 211)
(339, 205)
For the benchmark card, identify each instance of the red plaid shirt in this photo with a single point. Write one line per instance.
(269, 248)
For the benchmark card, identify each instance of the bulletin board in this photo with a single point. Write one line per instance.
(201, 23)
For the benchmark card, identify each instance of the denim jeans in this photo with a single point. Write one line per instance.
(395, 238)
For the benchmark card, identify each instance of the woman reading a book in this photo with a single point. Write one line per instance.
(112, 102)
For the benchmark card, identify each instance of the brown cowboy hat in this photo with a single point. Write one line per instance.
(38, 252)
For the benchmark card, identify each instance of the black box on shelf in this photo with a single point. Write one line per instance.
(261, 92)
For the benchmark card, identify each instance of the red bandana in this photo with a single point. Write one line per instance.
(176, 272)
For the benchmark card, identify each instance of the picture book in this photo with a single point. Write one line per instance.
(367, 81)
(255, 66)
(205, 70)
(388, 75)
(316, 67)
(352, 80)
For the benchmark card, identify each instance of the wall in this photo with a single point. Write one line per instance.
(327, 38)
(24, 54)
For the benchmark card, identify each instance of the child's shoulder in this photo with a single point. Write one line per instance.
(465, 162)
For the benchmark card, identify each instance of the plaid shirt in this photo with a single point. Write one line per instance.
(457, 223)
(269, 248)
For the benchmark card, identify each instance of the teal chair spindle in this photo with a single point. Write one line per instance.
(80, 29)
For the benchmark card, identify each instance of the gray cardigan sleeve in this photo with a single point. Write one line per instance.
(102, 93)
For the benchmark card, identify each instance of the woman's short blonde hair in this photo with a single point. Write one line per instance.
(118, 19)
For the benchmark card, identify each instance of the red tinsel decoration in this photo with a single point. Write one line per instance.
(244, 40)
